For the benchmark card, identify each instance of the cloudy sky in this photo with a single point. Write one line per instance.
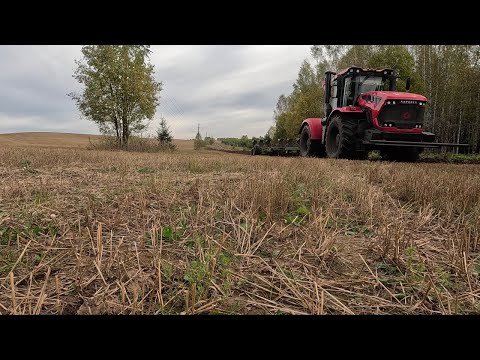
(229, 90)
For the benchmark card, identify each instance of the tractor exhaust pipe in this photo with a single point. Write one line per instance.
(328, 89)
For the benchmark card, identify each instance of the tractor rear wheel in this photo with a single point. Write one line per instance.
(340, 138)
(309, 147)
(401, 154)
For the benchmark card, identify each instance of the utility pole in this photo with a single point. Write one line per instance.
(198, 137)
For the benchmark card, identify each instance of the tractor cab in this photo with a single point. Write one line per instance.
(343, 89)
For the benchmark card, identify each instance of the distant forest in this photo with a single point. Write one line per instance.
(448, 75)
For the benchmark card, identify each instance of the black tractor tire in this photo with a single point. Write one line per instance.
(309, 147)
(340, 138)
(405, 154)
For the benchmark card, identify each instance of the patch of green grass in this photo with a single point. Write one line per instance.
(195, 167)
(197, 274)
(374, 155)
(354, 229)
(264, 253)
(225, 259)
(288, 273)
(7, 260)
(262, 215)
(146, 170)
(40, 197)
(388, 274)
(443, 278)
(415, 268)
(347, 196)
(167, 270)
(300, 192)
(8, 234)
(27, 166)
(387, 269)
(166, 233)
(450, 158)
(37, 230)
(169, 234)
(38, 258)
(302, 210)
(298, 216)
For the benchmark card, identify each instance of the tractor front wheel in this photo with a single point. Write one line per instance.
(340, 138)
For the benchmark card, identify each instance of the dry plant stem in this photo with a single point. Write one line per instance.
(14, 301)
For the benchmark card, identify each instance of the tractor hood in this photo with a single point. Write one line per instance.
(395, 95)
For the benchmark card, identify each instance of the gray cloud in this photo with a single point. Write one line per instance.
(229, 90)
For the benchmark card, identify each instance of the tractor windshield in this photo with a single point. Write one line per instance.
(360, 84)
(370, 83)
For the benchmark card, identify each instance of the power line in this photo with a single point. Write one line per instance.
(174, 103)
(177, 103)
(171, 108)
(172, 113)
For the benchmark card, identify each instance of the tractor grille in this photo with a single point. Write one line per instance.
(402, 116)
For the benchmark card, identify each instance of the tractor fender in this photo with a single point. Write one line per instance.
(316, 127)
(343, 110)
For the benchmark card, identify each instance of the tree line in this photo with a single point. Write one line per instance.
(243, 142)
(448, 75)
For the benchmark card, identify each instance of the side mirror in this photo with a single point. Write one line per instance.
(407, 85)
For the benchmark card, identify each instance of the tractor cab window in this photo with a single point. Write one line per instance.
(371, 83)
(360, 84)
(349, 91)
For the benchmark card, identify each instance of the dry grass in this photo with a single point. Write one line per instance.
(63, 140)
(97, 232)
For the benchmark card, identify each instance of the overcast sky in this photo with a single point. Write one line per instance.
(229, 90)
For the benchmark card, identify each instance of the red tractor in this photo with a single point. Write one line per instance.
(363, 112)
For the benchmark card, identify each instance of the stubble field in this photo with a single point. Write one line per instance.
(205, 232)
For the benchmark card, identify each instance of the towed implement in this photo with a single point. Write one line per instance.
(363, 112)
(280, 147)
